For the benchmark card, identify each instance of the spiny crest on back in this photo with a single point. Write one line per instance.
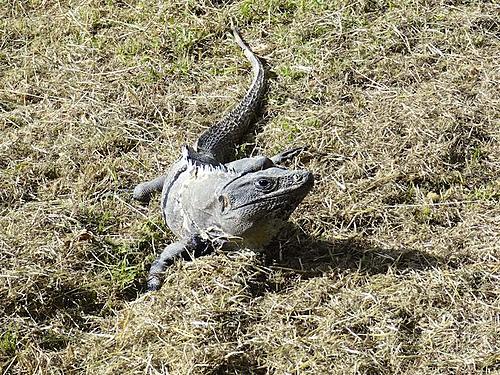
(197, 162)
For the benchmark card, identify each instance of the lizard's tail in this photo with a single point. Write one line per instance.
(220, 139)
(254, 60)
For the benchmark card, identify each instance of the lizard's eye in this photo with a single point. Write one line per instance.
(264, 184)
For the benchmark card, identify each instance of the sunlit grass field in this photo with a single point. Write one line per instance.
(390, 265)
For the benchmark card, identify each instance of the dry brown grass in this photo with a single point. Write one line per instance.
(391, 265)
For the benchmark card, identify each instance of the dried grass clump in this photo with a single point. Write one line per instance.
(391, 264)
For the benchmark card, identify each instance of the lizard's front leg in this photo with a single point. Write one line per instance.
(258, 163)
(287, 155)
(188, 248)
(143, 191)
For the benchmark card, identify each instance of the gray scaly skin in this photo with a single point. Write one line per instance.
(208, 201)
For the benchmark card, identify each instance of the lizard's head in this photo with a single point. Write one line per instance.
(254, 205)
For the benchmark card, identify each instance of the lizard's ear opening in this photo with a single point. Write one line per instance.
(225, 203)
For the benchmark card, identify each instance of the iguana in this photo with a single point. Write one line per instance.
(207, 200)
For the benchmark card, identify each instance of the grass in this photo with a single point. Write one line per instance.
(390, 266)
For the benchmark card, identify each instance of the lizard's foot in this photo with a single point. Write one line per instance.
(287, 155)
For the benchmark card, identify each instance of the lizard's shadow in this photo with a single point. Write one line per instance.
(296, 252)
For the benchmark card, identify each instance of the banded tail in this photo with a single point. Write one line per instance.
(220, 139)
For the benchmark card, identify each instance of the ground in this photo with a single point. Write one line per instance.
(391, 264)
